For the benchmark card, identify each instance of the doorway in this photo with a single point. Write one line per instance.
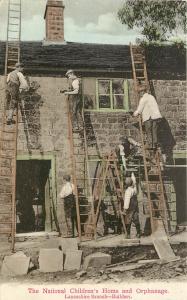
(34, 196)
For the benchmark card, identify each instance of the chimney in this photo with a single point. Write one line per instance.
(54, 20)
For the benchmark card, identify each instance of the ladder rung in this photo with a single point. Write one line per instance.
(84, 214)
(5, 222)
(87, 223)
(10, 67)
(159, 209)
(11, 38)
(152, 200)
(14, 17)
(15, 47)
(12, 59)
(14, 10)
(13, 53)
(6, 156)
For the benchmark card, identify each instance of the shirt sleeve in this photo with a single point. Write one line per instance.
(75, 86)
(23, 81)
(73, 188)
(8, 78)
(62, 193)
(140, 107)
(127, 198)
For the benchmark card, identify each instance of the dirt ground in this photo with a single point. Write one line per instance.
(124, 267)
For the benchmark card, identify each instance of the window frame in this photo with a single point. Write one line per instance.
(125, 98)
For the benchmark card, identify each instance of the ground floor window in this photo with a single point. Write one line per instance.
(33, 196)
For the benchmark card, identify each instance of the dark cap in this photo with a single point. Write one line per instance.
(19, 65)
(128, 181)
(67, 177)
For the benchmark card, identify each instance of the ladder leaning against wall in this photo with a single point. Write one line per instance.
(159, 218)
(141, 83)
(81, 178)
(8, 134)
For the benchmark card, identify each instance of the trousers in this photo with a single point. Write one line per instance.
(151, 128)
(70, 214)
(12, 97)
(75, 105)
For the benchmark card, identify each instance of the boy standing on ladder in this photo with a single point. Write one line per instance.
(16, 83)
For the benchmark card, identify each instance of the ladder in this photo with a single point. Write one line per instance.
(152, 170)
(81, 178)
(107, 173)
(8, 135)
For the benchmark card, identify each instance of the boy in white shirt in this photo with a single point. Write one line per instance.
(130, 206)
(68, 195)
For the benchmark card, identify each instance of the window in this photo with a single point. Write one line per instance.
(105, 94)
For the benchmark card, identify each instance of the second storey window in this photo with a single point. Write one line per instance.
(105, 94)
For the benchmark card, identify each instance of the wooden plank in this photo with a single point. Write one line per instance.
(161, 242)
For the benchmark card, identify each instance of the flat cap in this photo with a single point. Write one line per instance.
(19, 65)
(69, 72)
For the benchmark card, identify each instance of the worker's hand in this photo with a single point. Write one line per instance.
(131, 112)
(124, 212)
(63, 91)
(135, 114)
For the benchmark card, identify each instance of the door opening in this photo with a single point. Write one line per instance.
(33, 194)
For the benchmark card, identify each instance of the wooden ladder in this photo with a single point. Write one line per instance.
(153, 174)
(8, 136)
(81, 178)
(107, 173)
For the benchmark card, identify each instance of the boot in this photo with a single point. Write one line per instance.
(10, 117)
(128, 227)
(138, 231)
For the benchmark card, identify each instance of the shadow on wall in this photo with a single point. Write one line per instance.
(166, 140)
(90, 134)
(30, 103)
(165, 136)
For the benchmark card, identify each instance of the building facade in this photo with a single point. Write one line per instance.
(43, 155)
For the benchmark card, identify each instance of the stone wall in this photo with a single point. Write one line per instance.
(171, 98)
(46, 127)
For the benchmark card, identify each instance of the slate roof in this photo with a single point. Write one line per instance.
(162, 62)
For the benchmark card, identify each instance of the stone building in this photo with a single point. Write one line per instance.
(43, 155)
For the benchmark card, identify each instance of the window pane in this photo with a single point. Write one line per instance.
(118, 101)
(118, 86)
(104, 87)
(89, 101)
(104, 101)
